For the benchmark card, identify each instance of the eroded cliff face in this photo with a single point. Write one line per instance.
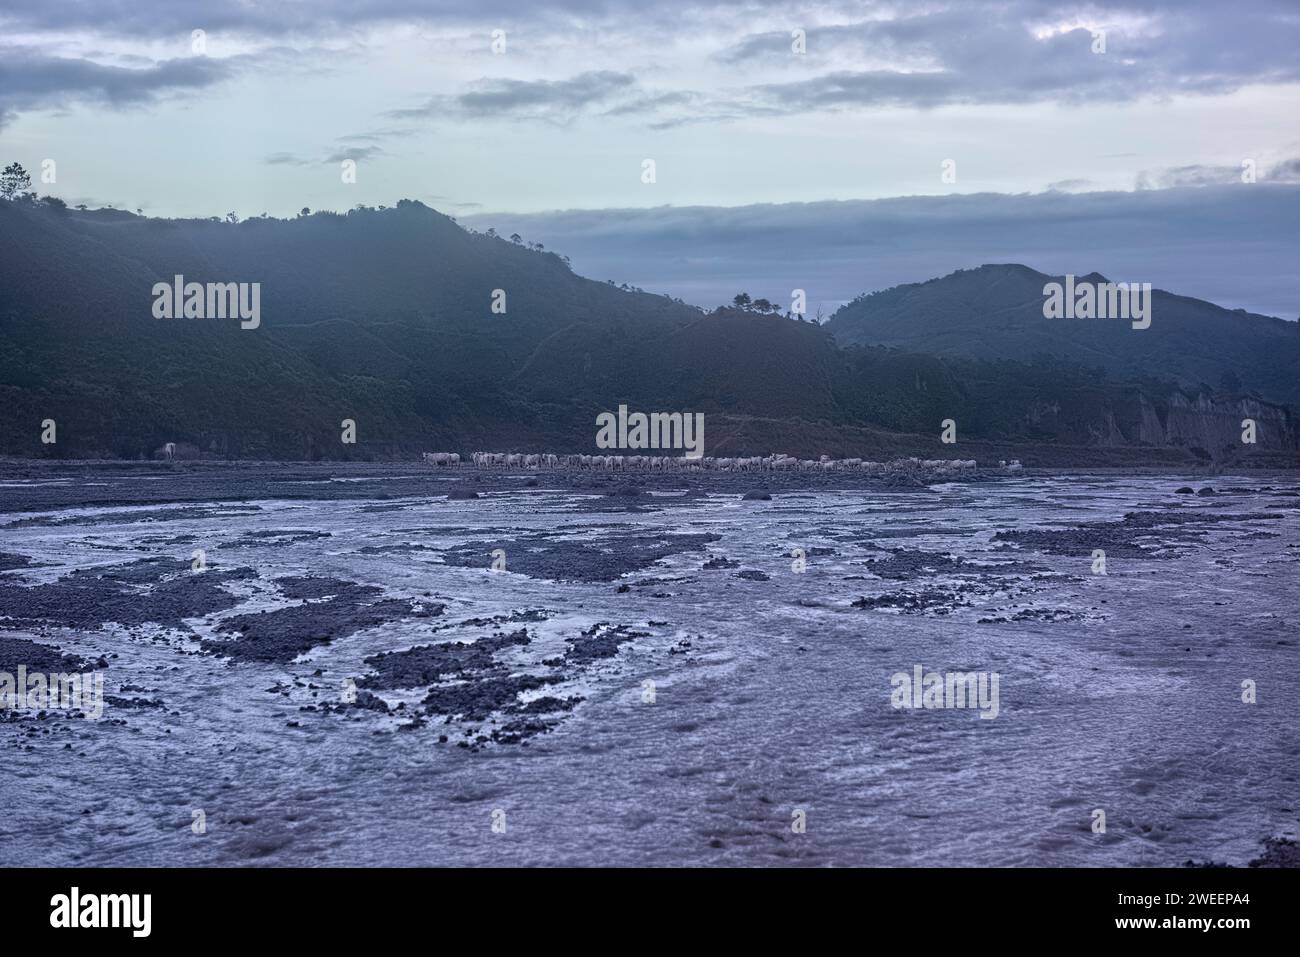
(1204, 423)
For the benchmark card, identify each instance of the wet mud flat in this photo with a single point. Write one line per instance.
(34, 485)
(364, 669)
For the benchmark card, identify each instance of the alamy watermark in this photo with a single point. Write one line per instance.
(75, 909)
(951, 689)
(1098, 300)
(214, 300)
(54, 691)
(658, 430)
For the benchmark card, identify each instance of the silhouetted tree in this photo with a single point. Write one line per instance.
(742, 300)
(14, 181)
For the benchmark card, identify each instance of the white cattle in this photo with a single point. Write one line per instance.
(778, 461)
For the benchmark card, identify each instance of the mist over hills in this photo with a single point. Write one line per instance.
(384, 316)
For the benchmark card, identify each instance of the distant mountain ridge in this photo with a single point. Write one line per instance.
(385, 317)
(996, 312)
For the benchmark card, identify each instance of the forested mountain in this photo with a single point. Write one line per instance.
(996, 312)
(385, 317)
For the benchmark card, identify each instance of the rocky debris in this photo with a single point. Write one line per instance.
(405, 548)
(132, 704)
(311, 587)
(188, 513)
(10, 561)
(756, 495)
(213, 490)
(161, 590)
(601, 640)
(478, 700)
(1034, 614)
(280, 635)
(543, 556)
(1137, 535)
(40, 658)
(366, 701)
(941, 601)
(429, 664)
(905, 564)
(532, 614)
(1278, 852)
(277, 537)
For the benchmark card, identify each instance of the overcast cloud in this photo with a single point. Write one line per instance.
(1010, 124)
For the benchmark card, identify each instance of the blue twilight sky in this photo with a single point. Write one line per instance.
(772, 125)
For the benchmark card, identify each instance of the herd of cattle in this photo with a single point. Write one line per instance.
(664, 463)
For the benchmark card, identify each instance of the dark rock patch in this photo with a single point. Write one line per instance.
(10, 561)
(429, 664)
(477, 700)
(905, 564)
(284, 536)
(132, 704)
(308, 587)
(601, 640)
(281, 635)
(541, 556)
(940, 601)
(1278, 852)
(403, 549)
(158, 590)
(1136, 535)
(40, 658)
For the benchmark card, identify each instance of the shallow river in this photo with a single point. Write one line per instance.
(659, 678)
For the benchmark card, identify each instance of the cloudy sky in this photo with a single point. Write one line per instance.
(772, 116)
